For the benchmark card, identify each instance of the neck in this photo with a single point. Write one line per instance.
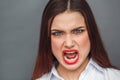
(72, 74)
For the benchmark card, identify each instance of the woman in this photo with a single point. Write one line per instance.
(70, 45)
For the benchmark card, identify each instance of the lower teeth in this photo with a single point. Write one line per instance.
(71, 60)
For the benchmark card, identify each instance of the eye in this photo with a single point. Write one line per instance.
(57, 33)
(78, 31)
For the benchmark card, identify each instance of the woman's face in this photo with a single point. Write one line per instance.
(69, 40)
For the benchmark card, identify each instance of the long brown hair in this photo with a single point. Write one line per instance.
(45, 59)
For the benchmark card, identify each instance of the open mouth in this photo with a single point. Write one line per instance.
(70, 56)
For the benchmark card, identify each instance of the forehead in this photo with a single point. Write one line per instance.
(68, 18)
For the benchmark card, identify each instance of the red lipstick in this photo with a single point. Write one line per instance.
(70, 56)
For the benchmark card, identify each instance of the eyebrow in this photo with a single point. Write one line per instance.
(56, 30)
(78, 28)
(71, 30)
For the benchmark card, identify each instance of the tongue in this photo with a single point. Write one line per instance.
(70, 56)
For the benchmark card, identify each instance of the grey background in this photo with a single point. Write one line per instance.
(19, 34)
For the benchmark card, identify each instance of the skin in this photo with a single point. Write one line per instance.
(69, 32)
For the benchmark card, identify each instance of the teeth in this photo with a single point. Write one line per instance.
(71, 60)
(70, 52)
(70, 56)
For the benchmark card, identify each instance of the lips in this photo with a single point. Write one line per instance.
(70, 56)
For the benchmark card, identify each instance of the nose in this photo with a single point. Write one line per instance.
(69, 42)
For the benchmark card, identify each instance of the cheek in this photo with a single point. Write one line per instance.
(84, 42)
(56, 45)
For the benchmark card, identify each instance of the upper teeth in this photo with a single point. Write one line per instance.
(70, 52)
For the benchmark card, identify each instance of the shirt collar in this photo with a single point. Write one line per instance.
(90, 65)
(54, 73)
(93, 64)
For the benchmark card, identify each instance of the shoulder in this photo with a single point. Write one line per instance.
(107, 73)
(44, 77)
(113, 74)
(49, 75)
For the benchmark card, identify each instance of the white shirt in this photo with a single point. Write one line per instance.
(92, 72)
